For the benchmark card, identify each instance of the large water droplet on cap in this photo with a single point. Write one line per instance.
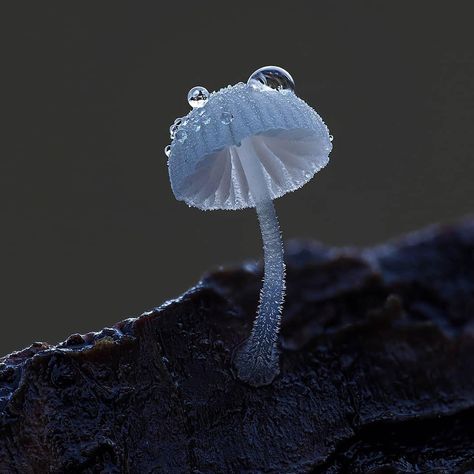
(168, 150)
(271, 77)
(198, 96)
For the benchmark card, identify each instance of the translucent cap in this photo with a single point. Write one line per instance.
(274, 128)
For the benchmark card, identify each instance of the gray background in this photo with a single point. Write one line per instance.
(91, 232)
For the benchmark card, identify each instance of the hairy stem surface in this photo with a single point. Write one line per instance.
(257, 361)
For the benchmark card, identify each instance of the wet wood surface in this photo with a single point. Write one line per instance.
(377, 374)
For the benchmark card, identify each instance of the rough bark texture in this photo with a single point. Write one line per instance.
(377, 374)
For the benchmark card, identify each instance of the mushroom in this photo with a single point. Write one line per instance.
(243, 147)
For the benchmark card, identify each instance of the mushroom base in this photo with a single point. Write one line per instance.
(254, 368)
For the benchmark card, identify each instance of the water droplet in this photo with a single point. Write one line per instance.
(271, 77)
(226, 118)
(168, 150)
(331, 138)
(181, 136)
(197, 97)
(173, 130)
(197, 127)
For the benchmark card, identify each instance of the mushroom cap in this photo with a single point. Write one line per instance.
(289, 138)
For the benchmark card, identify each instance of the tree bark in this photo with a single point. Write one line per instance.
(376, 375)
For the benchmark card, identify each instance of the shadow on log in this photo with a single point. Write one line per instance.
(377, 374)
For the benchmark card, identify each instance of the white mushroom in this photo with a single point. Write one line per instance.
(243, 147)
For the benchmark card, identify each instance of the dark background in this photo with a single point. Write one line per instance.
(91, 232)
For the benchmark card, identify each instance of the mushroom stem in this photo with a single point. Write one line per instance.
(257, 361)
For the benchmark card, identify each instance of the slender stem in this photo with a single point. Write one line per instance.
(257, 361)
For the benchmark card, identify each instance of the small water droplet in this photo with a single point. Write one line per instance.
(271, 77)
(173, 130)
(197, 97)
(331, 138)
(226, 118)
(176, 124)
(181, 136)
(168, 150)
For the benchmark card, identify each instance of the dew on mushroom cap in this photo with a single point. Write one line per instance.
(244, 146)
(174, 127)
(271, 77)
(197, 97)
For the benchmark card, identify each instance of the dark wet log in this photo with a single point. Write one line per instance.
(377, 374)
